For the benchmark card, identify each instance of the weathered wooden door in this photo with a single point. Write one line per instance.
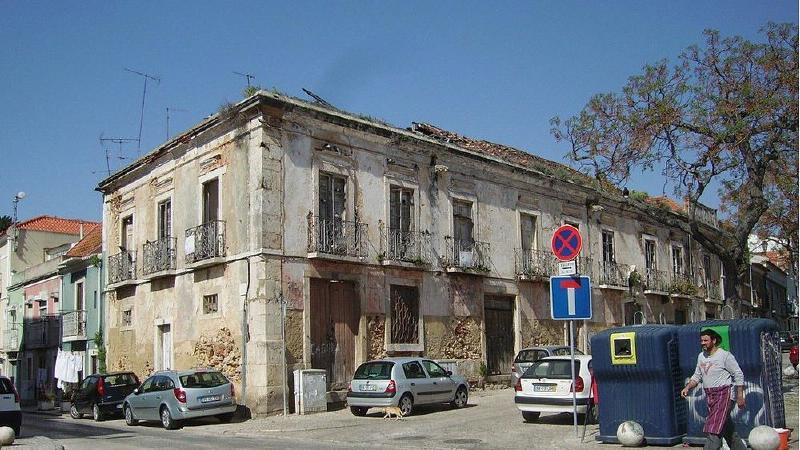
(499, 325)
(335, 315)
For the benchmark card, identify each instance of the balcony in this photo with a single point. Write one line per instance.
(11, 340)
(404, 247)
(74, 325)
(338, 238)
(612, 275)
(656, 282)
(122, 268)
(159, 257)
(205, 244)
(536, 265)
(682, 285)
(466, 256)
(42, 332)
(713, 291)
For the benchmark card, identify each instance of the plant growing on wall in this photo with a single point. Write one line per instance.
(101, 352)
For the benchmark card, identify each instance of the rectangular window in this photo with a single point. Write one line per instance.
(401, 202)
(404, 314)
(707, 267)
(127, 317)
(210, 305)
(165, 219)
(608, 247)
(680, 317)
(650, 254)
(332, 198)
(94, 302)
(462, 223)
(677, 260)
(79, 299)
(210, 201)
(527, 224)
(127, 242)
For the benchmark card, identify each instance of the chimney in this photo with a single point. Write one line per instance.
(81, 232)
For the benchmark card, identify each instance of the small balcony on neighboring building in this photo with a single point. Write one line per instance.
(74, 325)
(682, 285)
(205, 244)
(656, 282)
(466, 256)
(534, 265)
(10, 339)
(336, 239)
(159, 257)
(612, 275)
(42, 332)
(404, 248)
(121, 269)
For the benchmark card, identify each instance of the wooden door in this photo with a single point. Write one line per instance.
(335, 316)
(499, 323)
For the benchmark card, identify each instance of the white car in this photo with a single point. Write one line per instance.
(10, 414)
(546, 387)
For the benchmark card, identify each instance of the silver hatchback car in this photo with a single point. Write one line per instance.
(406, 383)
(171, 397)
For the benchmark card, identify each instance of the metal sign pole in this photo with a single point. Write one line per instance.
(572, 369)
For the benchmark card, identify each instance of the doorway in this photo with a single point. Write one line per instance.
(499, 326)
(164, 350)
(335, 315)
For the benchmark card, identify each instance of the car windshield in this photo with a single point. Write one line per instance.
(122, 379)
(552, 368)
(379, 370)
(530, 355)
(203, 380)
(5, 386)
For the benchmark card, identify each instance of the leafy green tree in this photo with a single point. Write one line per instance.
(725, 115)
(5, 222)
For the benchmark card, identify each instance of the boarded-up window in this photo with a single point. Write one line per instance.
(462, 221)
(331, 197)
(528, 230)
(401, 202)
(405, 314)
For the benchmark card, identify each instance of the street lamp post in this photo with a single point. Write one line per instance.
(17, 197)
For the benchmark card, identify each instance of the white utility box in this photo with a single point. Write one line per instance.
(310, 386)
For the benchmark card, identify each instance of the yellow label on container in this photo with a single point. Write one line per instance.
(623, 348)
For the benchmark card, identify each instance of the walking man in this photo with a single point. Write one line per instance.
(719, 372)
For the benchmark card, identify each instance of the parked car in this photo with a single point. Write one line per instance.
(406, 383)
(787, 340)
(10, 415)
(528, 356)
(172, 397)
(793, 356)
(547, 387)
(101, 395)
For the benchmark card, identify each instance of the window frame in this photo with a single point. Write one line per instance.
(419, 346)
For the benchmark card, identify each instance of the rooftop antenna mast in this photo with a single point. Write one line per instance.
(172, 109)
(115, 140)
(144, 93)
(246, 75)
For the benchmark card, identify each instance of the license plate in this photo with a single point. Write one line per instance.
(544, 388)
(368, 387)
(211, 398)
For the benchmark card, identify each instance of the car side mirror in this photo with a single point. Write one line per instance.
(448, 373)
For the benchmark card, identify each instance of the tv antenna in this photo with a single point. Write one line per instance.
(246, 75)
(144, 93)
(114, 140)
(172, 109)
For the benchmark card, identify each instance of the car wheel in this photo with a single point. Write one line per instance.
(359, 411)
(460, 399)
(167, 421)
(225, 418)
(529, 416)
(406, 404)
(73, 412)
(129, 416)
(97, 415)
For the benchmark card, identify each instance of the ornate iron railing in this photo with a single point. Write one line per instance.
(11, 339)
(713, 290)
(469, 255)
(122, 267)
(74, 324)
(682, 284)
(533, 264)
(656, 280)
(337, 237)
(205, 241)
(159, 255)
(406, 246)
(613, 274)
(42, 331)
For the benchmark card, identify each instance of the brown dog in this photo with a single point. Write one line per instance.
(390, 411)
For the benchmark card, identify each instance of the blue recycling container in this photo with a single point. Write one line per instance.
(638, 378)
(755, 344)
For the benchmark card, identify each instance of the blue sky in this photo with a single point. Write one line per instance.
(490, 70)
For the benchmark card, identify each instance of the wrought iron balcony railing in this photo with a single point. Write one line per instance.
(159, 255)
(469, 255)
(534, 264)
(613, 274)
(74, 324)
(405, 246)
(205, 241)
(42, 332)
(11, 339)
(337, 237)
(713, 290)
(682, 284)
(656, 280)
(122, 267)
